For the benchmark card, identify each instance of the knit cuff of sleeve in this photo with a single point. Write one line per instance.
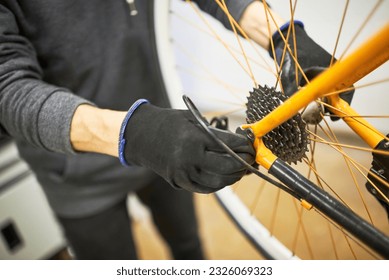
(54, 120)
(238, 7)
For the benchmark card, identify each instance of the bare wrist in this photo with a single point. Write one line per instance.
(96, 130)
(259, 23)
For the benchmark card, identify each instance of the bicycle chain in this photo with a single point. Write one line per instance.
(289, 141)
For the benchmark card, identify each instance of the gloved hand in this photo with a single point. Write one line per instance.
(312, 58)
(172, 144)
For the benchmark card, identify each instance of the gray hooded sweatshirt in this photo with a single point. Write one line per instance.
(56, 55)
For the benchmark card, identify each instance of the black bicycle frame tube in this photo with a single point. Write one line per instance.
(331, 207)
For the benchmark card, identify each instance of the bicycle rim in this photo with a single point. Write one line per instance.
(262, 212)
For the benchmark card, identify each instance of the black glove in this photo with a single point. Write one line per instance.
(172, 144)
(312, 58)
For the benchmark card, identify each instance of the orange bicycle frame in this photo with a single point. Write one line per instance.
(342, 75)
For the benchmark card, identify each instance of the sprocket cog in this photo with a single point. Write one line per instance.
(289, 141)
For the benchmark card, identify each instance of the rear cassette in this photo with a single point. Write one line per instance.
(289, 141)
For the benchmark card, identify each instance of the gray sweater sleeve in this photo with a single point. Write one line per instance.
(39, 113)
(235, 7)
(30, 109)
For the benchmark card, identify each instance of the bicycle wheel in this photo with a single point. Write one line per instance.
(219, 77)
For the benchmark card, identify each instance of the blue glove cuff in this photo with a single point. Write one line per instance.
(286, 26)
(122, 141)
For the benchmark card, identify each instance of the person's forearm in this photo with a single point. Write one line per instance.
(96, 130)
(255, 23)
